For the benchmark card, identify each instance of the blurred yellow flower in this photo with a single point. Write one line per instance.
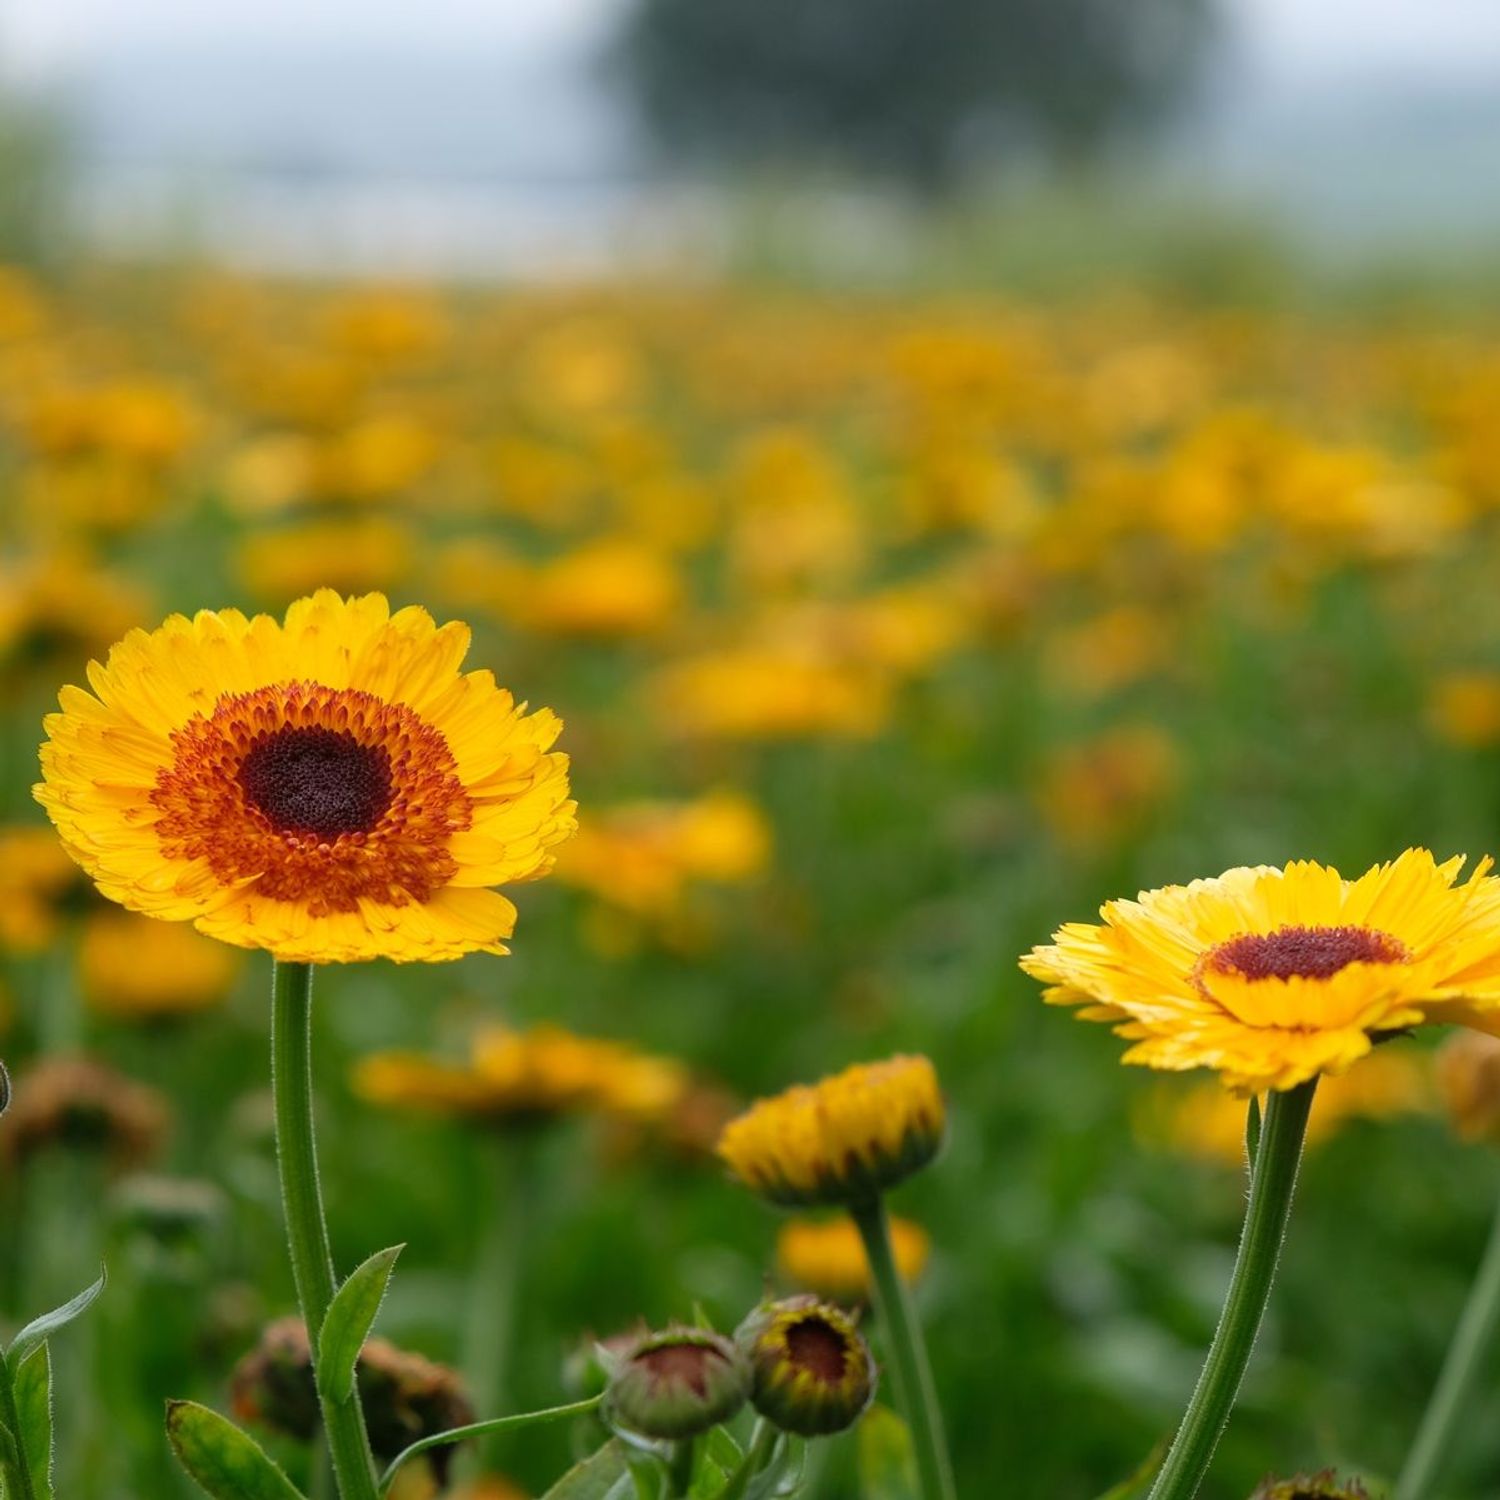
(827, 1256)
(1205, 1120)
(1092, 793)
(521, 1077)
(1467, 1068)
(842, 1140)
(608, 587)
(642, 856)
(133, 969)
(350, 557)
(759, 693)
(1272, 976)
(38, 884)
(1465, 708)
(331, 788)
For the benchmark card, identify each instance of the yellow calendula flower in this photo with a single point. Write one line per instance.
(513, 1077)
(842, 1140)
(1272, 976)
(134, 969)
(1467, 1072)
(331, 788)
(827, 1256)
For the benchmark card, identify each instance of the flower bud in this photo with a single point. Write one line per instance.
(677, 1384)
(4, 1089)
(1323, 1485)
(811, 1370)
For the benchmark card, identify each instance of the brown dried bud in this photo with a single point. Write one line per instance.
(405, 1396)
(1323, 1485)
(78, 1103)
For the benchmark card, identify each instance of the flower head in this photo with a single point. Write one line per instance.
(842, 1140)
(523, 1077)
(133, 969)
(827, 1256)
(1272, 976)
(677, 1383)
(331, 787)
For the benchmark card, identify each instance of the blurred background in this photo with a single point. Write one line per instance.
(948, 465)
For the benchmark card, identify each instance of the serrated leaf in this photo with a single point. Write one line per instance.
(42, 1328)
(224, 1462)
(887, 1470)
(599, 1477)
(33, 1396)
(351, 1316)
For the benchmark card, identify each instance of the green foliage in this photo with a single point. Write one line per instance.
(32, 1389)
(604, 1475)
(225, 1463)
(351, 1316)
(39, 1330)
(887, 1470)
(890, 86)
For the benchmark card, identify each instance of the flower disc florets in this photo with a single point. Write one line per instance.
(677, 1383)
(811, 1369)
(843, 1140)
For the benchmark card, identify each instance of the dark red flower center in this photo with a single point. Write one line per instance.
(319, 781)
(816, 1346)
(1305, 952)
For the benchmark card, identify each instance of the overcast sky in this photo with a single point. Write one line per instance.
(1293, 38)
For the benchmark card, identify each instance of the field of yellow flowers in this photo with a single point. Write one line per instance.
(886, 634)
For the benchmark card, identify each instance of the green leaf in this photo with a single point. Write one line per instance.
(1137, 1482)
(601, 1476)
(38, 1331)
(887, 1470)
(479, 1429)
(33, 1397)
(224, 1462)
(351, 1316)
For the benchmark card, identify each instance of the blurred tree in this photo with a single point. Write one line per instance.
(926, 91)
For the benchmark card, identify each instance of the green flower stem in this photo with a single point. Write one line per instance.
(680, 1466)
(1475, 1333)
(910, 1368)
(758, 1453)
(306, 1229)
(1271, 1188)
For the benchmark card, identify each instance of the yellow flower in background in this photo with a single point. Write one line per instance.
(609, 587)
(38, 882)
(1464, 708)
(58, 609)
(642, 856)
(351, 557)
(827, 1256)
(843, 1140)
(1467, 1068)
(758, 693)
(133, 969)
(1272, 976)
(1091, 794)
(1206, 1121)
(330, 788)
(519, 1077)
